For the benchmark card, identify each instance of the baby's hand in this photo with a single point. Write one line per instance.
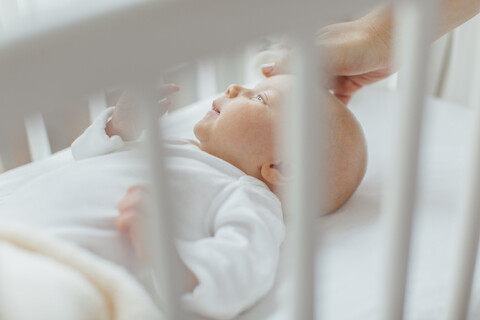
(127, 121)
(130, 210)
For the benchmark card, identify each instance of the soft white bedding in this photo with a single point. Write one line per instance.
(349, 250)
(45, 278)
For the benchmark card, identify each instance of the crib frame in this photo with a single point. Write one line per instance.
(42, 59)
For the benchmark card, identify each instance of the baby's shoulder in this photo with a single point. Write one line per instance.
(250, 202)
(251, 192)
(254, 185)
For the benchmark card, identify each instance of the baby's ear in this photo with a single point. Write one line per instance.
(277, 174)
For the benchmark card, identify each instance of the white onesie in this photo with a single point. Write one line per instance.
(228, 225)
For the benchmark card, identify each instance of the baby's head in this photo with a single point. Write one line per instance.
(241, 129)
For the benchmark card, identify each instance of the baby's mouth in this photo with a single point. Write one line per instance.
(214, 108)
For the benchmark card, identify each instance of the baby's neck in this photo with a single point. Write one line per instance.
(274, 189)
(278, 191)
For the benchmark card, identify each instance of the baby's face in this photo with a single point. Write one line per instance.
(240, 127)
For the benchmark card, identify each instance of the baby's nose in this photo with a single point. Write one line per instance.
(233, 90)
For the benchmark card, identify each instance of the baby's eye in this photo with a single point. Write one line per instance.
(259, 98)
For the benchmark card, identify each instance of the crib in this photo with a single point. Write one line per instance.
(43, 71)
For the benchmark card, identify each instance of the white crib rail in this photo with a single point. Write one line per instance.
(58, 49)
(37, 137)
(158, 226)
(96, 105)
(412, 47)
(468, 230)
(207, 80)
(301, 136)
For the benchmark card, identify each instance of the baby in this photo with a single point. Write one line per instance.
(223, 188)
(240, 129)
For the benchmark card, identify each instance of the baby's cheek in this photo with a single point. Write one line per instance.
(201, 130)
(257, 139)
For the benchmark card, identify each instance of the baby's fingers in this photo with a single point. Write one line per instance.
(130, 206)
(167, 89)
(125, 220)
(134, 197)
(164, 91)
(163, 106)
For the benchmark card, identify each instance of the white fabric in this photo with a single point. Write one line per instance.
(91, 143)
(45, 278)
(229, 225)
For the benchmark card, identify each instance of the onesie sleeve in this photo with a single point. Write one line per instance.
(237, 265)
(95, 141)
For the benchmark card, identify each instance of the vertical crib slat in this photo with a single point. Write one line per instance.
(6, 150)
(302, 197)
(158, 225)
(413, 20)
(96, 105)
(207, 79)
(38, 142)
(468, 230)
(250, 75)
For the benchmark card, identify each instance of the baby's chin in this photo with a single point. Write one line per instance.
(199, 130)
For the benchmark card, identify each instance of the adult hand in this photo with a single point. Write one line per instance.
(355, 54)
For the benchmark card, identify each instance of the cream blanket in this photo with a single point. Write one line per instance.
(42, 277)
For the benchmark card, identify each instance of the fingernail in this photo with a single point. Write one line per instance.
(268, 67)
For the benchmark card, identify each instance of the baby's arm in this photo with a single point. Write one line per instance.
(116, 125)
(130, 210)
(236, 266)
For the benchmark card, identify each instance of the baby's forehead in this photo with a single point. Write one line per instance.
(276, 83)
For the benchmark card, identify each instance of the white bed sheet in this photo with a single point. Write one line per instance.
(349, 250)
(350, 253)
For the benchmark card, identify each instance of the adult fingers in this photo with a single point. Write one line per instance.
(344, 87)
(280, 66)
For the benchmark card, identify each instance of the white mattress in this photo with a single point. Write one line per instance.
(349, 250)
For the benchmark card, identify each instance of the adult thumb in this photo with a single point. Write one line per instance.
(281, 66)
